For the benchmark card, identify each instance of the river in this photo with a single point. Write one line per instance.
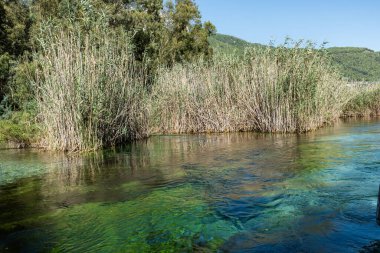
(238, 192)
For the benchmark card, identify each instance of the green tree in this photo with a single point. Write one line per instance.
(14, 39)
(161, 34)
(188, 36)
(14, 26)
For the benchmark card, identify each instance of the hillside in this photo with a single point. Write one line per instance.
(230, 44)
(359, 64)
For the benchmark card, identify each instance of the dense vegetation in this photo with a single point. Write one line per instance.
(365, 101)
(355, 64)
(91, 92)
(160, 34)
(80, 68)
(268, 90)
(82, 75)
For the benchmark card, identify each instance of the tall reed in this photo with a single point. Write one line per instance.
(91, 92)
(271, 90)
(365, 101)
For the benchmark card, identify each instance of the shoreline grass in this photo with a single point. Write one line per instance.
(92, 94)
(271, 90)
(90, 91)
(365, 102)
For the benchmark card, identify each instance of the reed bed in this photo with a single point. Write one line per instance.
(91, 93)
(278, 89)
(365, 101)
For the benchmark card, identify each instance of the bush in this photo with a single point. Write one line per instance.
(19, 128)
(21, 92)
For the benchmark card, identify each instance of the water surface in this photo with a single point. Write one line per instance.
(241, 192)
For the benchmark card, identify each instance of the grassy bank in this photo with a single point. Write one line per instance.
(271, 90)
(365, 101)
(91, 93)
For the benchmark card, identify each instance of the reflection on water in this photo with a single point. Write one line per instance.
(238, 192)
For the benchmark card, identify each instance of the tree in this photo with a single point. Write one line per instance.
(188, 36)
(14, 39)
(161, 34)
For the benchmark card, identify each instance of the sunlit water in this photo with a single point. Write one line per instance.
(241, 192)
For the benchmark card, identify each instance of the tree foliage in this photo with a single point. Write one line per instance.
(162, 32)
(14, 39)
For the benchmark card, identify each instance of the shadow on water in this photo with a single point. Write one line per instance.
(237, 192)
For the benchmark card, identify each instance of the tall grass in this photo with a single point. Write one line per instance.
(92, 94)
(365, 102)
(278, 89)
(90, 90)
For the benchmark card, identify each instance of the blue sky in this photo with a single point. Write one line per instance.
(339, 22)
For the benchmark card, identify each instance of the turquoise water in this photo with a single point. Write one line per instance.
(240, 192)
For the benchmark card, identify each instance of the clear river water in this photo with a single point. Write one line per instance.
(238, 192)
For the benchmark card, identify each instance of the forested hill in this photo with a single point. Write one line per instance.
(355, 63)
(230, 44)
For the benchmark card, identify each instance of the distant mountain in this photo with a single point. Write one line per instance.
(359, 64)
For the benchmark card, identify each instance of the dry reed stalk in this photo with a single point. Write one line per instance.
(365, 101)
(90, 90)
(271, 90)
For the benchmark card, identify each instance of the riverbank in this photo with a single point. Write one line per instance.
(101, 96)
(22, 130)
(95, 81)
(16, 134)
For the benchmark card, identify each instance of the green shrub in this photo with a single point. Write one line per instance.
(19, 128)
(21, 92)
